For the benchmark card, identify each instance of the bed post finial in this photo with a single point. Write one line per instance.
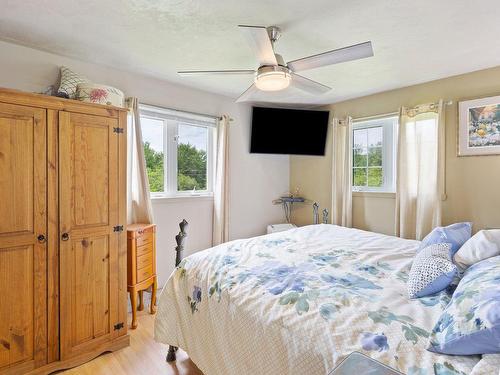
(180, 238)
(171, 353)
(325, 216)
(315, 213)
(179, 250)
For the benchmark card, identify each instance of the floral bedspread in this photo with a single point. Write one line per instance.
(300, 301)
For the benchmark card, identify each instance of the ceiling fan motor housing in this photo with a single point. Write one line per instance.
(266, 69)
(272, 77)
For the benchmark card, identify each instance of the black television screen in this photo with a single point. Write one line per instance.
(288, 131)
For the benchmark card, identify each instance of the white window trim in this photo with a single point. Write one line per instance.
(390, 126)
(170, 138)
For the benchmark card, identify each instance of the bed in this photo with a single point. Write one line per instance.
(300, 301)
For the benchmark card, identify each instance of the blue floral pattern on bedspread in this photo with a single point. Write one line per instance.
(348, 289)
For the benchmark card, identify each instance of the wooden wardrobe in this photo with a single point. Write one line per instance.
(63, 245)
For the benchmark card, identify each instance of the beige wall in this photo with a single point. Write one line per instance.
(472, 183)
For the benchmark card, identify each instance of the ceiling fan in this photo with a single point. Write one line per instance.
(273, 74)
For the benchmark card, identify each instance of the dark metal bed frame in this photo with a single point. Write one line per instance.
(179, 250)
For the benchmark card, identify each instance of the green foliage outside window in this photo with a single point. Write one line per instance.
(367, 165)
(192, 168)
(154, 166)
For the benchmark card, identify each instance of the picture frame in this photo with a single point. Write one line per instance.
(479, 127)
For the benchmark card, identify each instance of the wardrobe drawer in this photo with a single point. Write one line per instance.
(144, 273)
(145, 238)
(144, 260)
(143, 250)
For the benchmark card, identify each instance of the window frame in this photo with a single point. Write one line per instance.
(389, 126)
(171, 121)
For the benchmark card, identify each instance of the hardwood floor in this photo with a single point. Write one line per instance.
(143, 357)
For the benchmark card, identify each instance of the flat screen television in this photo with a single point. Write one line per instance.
(288, 131)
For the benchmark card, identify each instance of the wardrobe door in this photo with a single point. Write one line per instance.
(88, 191)
(23, 251)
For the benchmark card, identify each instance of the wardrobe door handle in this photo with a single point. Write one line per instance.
(41, 238)
(65, 237)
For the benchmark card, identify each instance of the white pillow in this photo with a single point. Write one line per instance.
(484, 244)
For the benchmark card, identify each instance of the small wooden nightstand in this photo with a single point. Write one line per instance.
(141, 266)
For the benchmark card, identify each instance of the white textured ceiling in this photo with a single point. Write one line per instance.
(413, 41)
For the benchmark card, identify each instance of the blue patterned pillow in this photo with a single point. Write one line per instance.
(470, 324)
(432, 271)
(454, 234)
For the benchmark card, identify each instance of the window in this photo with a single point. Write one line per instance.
(179, 151)
(374, 154)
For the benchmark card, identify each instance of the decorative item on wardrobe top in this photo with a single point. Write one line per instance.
(76, 86)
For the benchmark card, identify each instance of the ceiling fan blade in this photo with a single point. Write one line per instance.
(221, 72)
(357, 51)
(309, 85)
(247, 94)
(258, 38)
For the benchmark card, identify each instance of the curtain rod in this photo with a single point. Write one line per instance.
(380, 115)
(390, 114)
(189, 112)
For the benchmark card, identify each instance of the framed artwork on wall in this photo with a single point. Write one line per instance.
(479, 127)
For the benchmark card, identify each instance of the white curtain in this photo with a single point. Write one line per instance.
(139, 208)
(342, 172)
(420, 170)
(221, 187)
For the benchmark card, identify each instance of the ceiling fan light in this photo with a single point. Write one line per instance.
(274, 80)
